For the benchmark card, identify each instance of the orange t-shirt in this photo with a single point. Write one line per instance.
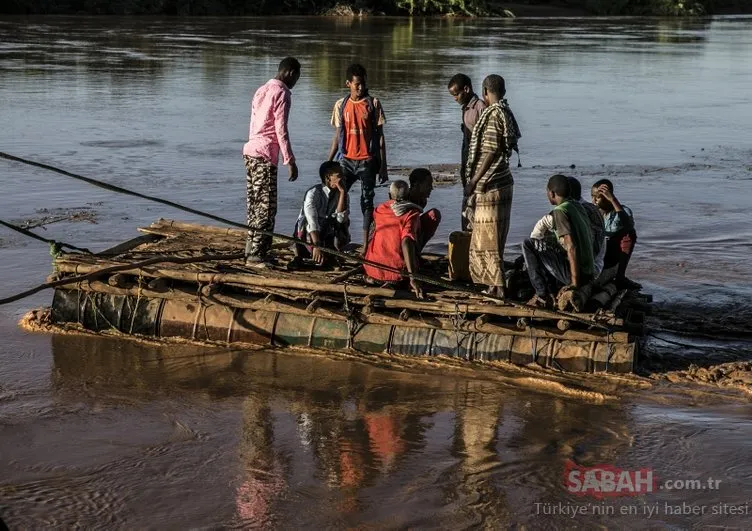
(358, 129)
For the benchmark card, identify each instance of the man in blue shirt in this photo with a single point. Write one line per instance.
(620, 232)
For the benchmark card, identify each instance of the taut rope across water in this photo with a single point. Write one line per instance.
(357, 259)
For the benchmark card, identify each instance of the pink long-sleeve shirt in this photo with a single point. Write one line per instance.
(268, 134)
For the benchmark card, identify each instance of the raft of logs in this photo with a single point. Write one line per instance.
(162, 284)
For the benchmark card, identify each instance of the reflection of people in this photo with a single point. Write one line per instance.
(263, 480)
(395, 237)
(488, 193)
(323, 220)
(359, 141)
(461, 89)
(385, 438)
(268, 137)
(479, 410)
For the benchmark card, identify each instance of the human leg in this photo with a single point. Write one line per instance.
(626, 246)
(547, 266)
(490, 229)
(261, 206)
(366, 171)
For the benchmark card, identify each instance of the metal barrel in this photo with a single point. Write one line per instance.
(218, 323)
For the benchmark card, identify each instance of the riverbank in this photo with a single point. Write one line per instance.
(355, 8)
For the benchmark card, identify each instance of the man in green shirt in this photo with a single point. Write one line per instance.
(568, 262)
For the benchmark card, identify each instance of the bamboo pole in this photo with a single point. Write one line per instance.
(391, 298)
(172, 226)
(237, 278)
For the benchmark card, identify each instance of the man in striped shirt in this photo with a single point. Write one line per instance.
(488, 193)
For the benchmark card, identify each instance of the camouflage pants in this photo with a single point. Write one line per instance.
(261, 201)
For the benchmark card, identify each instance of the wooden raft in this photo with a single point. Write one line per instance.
(336, 295)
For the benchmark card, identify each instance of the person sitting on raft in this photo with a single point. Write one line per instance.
(324, 218)
(568, 261)
(421, 186)
(620, 232)
(396, 241)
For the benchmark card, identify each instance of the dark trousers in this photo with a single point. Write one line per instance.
(261, 204)
(365, 171)
(333, 235)
(547, 265)
(619, 249)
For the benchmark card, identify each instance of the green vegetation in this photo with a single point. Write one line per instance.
(358, 7)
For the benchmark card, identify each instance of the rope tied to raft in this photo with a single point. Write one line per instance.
(456, 319)
(56, 247)
(353, 323)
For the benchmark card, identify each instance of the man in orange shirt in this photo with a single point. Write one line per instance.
(358, 142)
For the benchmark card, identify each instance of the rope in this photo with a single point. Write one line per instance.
(55, 246)
(123, 267)
(357, 259)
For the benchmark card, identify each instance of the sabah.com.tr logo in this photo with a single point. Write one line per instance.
(608, 481)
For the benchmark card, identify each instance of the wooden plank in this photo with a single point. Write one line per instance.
(129, 245)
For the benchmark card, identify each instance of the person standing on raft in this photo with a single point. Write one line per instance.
(461, 89)
(268, 136)
(488, 193)
(358, 141)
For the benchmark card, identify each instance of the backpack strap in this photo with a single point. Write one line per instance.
(375, 144)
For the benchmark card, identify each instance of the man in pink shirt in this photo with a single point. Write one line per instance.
(268, 137)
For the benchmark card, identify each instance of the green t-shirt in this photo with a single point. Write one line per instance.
(571, 219)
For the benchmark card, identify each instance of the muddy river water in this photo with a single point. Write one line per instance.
(108, 433)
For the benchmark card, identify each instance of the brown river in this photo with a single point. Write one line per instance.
(106, 433)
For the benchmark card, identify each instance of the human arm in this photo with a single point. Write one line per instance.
(281, 119)
(409, 227)
(335, 121)
(543, 227)
(334, 147)
(380, 121)
(410, 255)
(310, 211)
(383, 173)
(624, 220)
(574, 267)
(483, 166)
(341, 214)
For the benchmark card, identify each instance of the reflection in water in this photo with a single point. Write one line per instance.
(478, 493)
(282, 440)
(262, 475)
